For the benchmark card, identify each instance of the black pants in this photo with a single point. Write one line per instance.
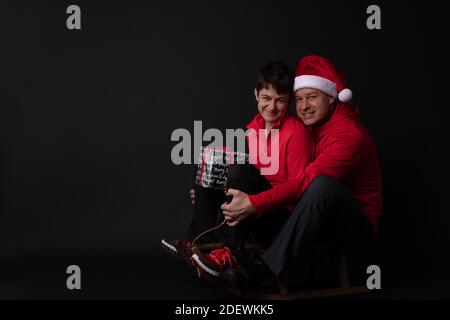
(260, 230)
(207, 213)
(327, 213)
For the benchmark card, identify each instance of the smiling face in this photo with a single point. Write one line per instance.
(313, 106)
(271, 105)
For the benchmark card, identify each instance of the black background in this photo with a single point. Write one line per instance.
(87, 116)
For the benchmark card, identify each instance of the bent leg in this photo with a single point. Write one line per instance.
(327, 212)
(206, 209)
(246, 178)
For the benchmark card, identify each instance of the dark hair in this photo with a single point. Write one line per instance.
(277, 74)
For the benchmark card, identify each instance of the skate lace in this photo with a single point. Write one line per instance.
(222, 257)
(207, 231)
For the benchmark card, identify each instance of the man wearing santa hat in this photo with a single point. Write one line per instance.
(339, 195)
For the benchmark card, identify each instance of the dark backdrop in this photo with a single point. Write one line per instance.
(87, 116)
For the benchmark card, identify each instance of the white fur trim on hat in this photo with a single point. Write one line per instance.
(316, 82)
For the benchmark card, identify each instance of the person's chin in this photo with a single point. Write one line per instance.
(309, 121)
(271, 119)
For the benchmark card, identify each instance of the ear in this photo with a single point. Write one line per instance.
(331, 100)
(256, 95)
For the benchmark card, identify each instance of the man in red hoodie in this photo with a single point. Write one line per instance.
(339, 194)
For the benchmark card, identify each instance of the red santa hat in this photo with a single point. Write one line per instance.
(319, 73)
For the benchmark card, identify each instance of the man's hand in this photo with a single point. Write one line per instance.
(192, 194)
(238, 209)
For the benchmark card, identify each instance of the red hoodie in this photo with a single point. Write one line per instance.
(344, 151)
(295, 152)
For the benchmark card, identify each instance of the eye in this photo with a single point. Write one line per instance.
(312, 97)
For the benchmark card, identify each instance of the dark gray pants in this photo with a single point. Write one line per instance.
(328, 214)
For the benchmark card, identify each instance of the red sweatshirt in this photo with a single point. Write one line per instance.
(344, 151)
(295, 152)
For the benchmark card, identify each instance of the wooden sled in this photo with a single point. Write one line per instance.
(293, 286)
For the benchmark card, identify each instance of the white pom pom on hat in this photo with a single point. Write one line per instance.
(345, 95)
(319, 73)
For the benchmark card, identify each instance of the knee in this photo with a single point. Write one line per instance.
(322, 184)
(234, 172)
(246, 178)
(240, 172)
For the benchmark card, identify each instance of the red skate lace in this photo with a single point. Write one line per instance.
(222, 257)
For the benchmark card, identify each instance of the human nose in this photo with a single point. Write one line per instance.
(304, 105)
(271, 105)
